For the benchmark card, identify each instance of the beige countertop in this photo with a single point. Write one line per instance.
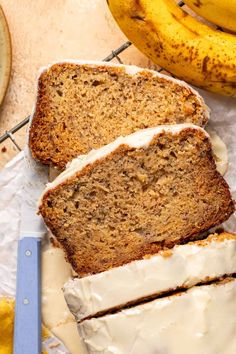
(44, 31)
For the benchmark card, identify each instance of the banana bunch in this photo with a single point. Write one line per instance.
(189, 49)
(220, 12)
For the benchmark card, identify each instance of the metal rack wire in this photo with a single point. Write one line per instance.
(114, 54)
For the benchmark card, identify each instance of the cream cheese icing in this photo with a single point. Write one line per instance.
(183, 266)
(55, 313)
(200, 320)
(139, 139)
(220, 151)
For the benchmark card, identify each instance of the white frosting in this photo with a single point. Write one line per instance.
(139, 139)
(55, 313)
(55, 272)
(219, 150)
(199, 321)
(130, 70)
(187, 265)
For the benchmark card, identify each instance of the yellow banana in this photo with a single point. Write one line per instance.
(220, 12)
(171, 38)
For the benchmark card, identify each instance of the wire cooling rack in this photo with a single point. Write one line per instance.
(9, 134)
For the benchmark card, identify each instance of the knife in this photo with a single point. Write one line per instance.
(27, 323)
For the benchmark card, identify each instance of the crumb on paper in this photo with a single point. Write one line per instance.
(4, 149)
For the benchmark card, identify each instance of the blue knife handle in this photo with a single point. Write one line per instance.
(27, 324)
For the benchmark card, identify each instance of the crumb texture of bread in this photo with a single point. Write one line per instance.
(83, 107)
(137, 201)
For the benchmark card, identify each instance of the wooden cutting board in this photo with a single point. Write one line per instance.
(5, 55)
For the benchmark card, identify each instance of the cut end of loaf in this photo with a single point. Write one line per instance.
(137, 201)
(86, 106)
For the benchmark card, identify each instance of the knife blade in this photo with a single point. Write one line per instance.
(27, 323)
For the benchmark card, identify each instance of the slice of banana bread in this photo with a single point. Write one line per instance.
(152, 189)
(89, 105)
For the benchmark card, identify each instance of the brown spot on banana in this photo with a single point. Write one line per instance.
(204, 64)
(138, 3)
(184, 14)
(138, 11)
(138, 7)
(198, 3)
(137, 17)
